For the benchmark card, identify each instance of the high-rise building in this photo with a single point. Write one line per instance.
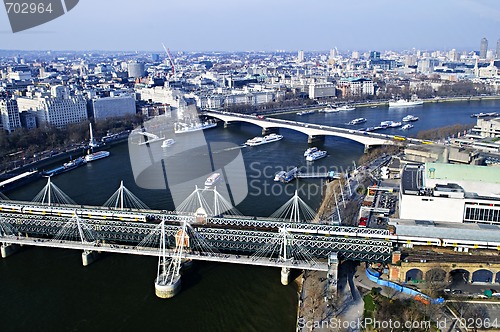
(498, 49)
(300, 56)
(155, 57)
(453, 55)
(9, 113)
(483, 48)
(136, 69)
(374, 55)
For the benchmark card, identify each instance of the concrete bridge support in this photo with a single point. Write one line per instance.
(89, 257)
(228, 124)
(267, 131)
(285, 275)
(315, 139)
(332, 276)
(167, 290)
(8, 249)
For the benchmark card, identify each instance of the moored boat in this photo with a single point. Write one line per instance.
(316, 155)
(279, 176)
(96, 155)
(405, 103)
(346, 108)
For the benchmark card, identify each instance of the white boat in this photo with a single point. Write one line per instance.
(331, 110)
(410, 118)
(305, 112)
(310, 150)
(357, 121)
(264, 140)
(392, 124)
(96, 155)
(482, 115)
(168, 142)
(316, 155)
(346, 108)
(212, 180)
(180, 127)
(407, 126)
(405, 103)
(280, 175)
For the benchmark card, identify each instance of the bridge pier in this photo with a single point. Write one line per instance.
(167, 290)
(367, 148)
(332, 276)
(316, 139)
(228, 124)
(285, 275)
(89, 257)
(9, 249)
(267, 131)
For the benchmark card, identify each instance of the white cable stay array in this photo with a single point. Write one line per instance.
(124, 198)
(210, 200)
(295, 210)
(51, 194)
(75, 228)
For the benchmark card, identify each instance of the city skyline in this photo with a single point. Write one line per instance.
(219, 25)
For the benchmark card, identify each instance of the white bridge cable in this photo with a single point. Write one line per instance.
(194, 201)
(295, 210)
(124, 198)
(3, 197)
(76, 230)
(269, 249)
(197, 240)
(302, 254)
(152, 240)
(210, 200)
(52, 194)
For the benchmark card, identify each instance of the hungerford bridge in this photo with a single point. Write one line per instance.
(314, 131)
(204, 227)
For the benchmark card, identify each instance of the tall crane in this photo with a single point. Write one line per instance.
(169, 58)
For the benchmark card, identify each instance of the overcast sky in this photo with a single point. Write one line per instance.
(228, 25)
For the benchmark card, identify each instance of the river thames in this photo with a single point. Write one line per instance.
(49, 289)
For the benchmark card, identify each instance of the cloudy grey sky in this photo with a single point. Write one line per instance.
(263, 25)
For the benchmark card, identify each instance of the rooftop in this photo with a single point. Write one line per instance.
(447, 230)
(458, 172)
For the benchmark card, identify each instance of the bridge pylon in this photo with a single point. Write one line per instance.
(168, 279)
(285, 256)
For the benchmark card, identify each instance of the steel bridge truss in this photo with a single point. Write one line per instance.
(226, 236)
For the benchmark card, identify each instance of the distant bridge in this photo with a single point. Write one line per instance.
(313, 131)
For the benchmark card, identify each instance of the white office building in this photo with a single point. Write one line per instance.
(58, 112)
(9, 114)
(322, 90)
(450, 193)
(112, 107)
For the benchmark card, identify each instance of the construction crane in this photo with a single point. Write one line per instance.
(169, 58)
